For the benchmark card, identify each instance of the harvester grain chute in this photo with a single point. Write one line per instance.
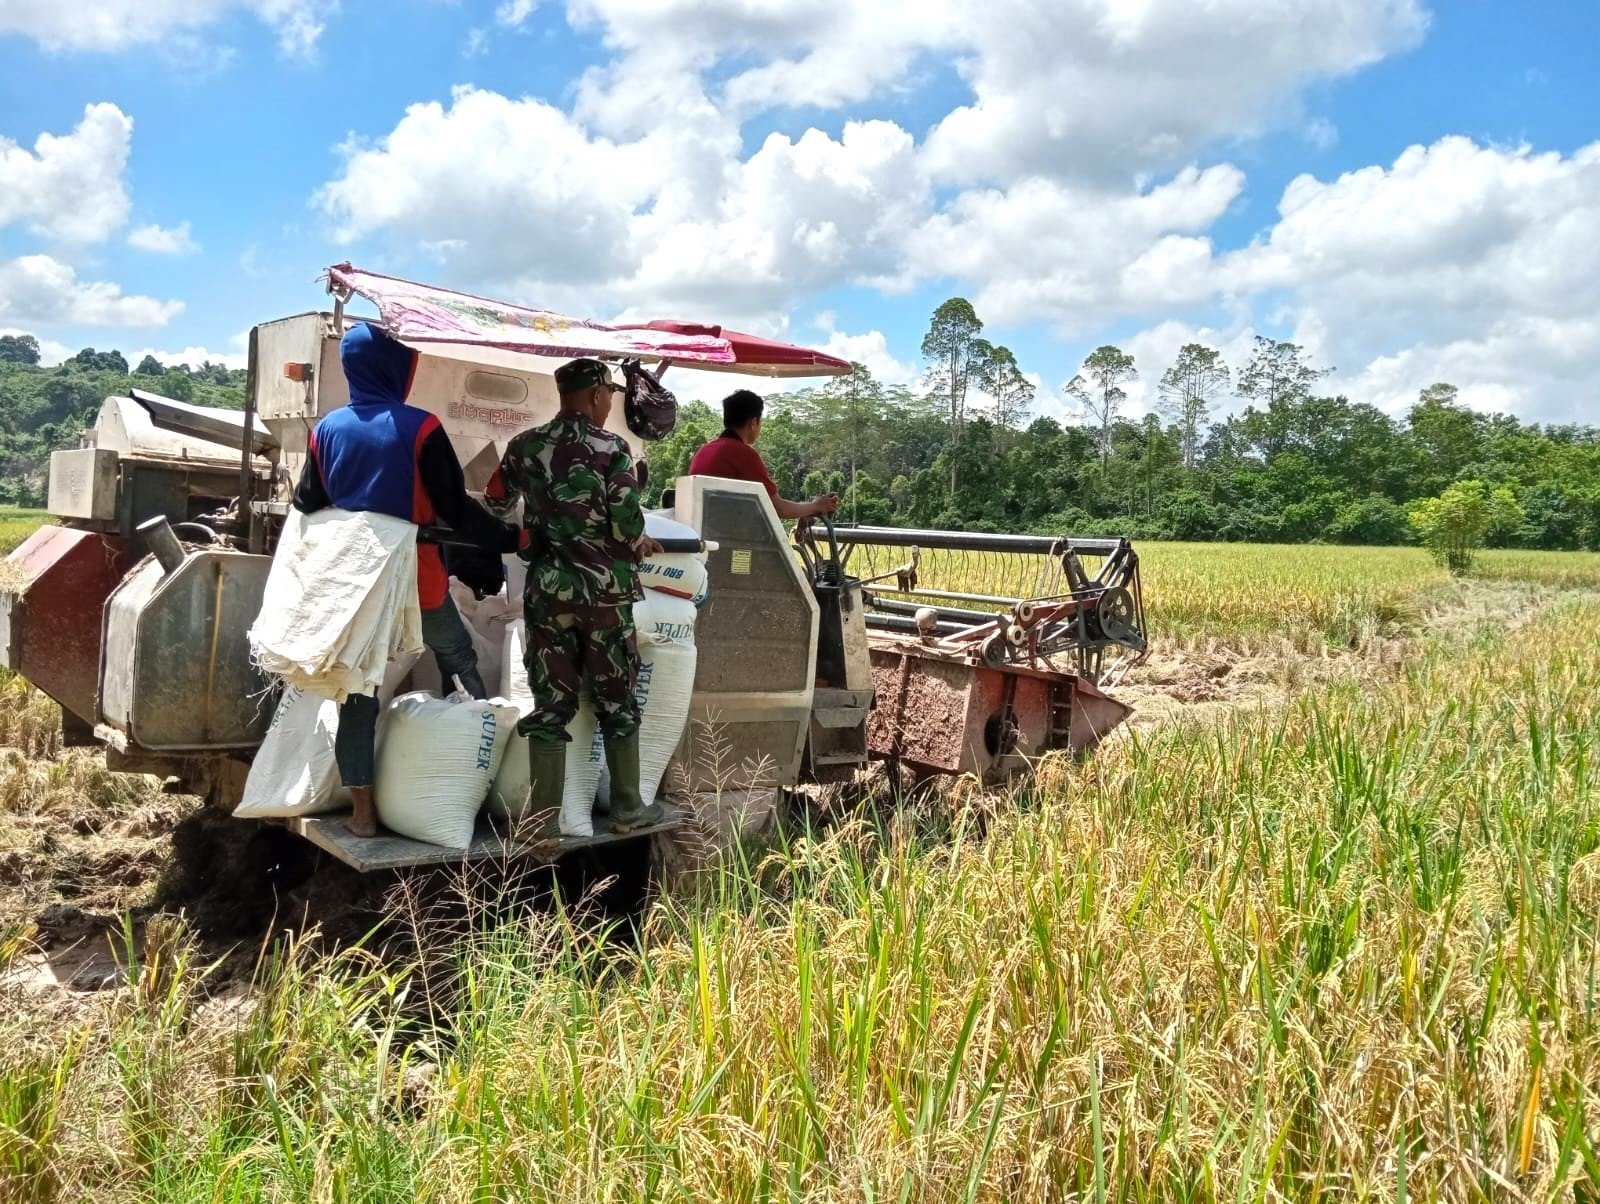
(944, 652)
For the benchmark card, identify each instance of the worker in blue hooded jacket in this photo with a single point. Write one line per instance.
(382, 455)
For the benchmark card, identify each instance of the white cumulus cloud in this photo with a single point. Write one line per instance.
(1078, 257)
(193, 356)
(163, 241)
(1078, 185)
(69, 186)
(108, 25)
(870, 349)
(1474, 264)
(1088, 89)
(513, 13)
(1106, 88)
(40, 290)
(519, 194)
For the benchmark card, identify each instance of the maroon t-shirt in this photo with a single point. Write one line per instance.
(731, 457)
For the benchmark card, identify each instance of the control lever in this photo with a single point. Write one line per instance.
(445, 537)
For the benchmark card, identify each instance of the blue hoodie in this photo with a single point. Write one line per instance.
(379, 454)
(367, 452)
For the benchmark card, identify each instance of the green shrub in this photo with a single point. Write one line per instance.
(1454, 525)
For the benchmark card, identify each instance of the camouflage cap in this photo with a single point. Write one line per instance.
(582, 374)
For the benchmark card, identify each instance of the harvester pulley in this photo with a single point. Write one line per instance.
(1119, 618)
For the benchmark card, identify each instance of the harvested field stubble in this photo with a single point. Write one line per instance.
(1348, 946)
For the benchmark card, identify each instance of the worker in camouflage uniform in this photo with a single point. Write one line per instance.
(584, 541)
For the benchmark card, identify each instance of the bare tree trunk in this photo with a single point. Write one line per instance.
(955, 426)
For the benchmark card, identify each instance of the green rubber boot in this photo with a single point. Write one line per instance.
(628, 810)
(547, 780)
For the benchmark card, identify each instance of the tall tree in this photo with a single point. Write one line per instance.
(1098, 393)
(19, 349)
(1449, 436)
(1010, 393)
(842, 420)
(91, 360)
(1277, 372)
(1279, 380)
(949, 346)
(1187, 390)
(149, 366)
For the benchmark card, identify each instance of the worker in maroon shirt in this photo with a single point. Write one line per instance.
(732, 455)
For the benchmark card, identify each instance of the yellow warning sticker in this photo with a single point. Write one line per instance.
(741, 562)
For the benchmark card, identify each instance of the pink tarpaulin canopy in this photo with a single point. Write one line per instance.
(421, 313)
(754, 355)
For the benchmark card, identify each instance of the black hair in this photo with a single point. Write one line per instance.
(740, 407)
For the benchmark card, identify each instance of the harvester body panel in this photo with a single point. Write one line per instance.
(176, 672)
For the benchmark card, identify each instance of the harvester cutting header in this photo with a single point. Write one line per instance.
(799, 658)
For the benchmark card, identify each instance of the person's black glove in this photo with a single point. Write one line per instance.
(478, 568)
(510, 539)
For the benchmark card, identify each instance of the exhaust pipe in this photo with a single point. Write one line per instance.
(163, 544)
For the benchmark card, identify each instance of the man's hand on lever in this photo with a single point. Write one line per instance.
(827, 503)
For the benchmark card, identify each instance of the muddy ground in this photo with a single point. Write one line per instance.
(87, 859)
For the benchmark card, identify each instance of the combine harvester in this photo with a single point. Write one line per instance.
(942, 652)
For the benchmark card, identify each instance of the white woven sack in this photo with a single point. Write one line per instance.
(340, 601)
(679, 574)
(294, 771)
(436, 761)
(509, 795)
(665, 627)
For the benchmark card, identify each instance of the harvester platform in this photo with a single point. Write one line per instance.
(387, 851)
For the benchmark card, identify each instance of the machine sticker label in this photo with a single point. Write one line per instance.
(494, 415)
(741, 562)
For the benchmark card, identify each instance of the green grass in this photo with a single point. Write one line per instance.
(16, 524)
(1346, 948)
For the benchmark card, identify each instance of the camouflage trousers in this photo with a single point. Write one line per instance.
(569, 646)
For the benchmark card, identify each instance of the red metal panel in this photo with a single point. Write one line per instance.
(945, 714)
(59, 579)
(1093, 715)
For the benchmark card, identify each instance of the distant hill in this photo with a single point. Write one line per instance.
(44, 409)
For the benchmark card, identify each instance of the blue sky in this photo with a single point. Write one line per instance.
(1096, 171)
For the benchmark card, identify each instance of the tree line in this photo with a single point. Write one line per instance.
(44, 409)
(960, 451)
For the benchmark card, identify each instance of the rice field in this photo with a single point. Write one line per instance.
(1310, 595)
(1565, 570)
(1344, 948)
(1307, 593)
(16, 524)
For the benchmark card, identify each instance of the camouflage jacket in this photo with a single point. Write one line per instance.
(581, 510)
